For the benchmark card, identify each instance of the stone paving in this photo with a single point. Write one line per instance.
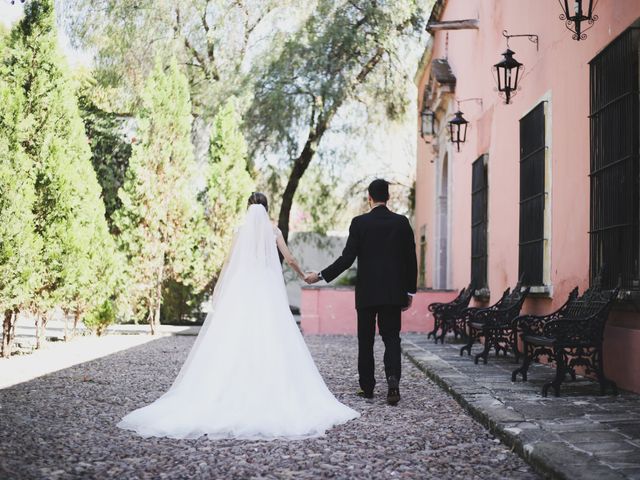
(579, 435)
(62, 426)
(56, 356)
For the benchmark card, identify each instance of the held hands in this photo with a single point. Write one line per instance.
(311, 278)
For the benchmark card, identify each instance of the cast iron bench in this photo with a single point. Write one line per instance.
(496, 325)
(571, 337)
(446, 314)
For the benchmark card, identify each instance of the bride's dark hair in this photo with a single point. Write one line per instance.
(258, 198)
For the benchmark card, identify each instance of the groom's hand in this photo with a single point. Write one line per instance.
(409, 302)
(311, 278)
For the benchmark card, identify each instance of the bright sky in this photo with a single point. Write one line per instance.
(9, 14)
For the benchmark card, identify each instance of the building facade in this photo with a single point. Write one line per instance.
(547, 187)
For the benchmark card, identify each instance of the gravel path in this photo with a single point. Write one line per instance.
(63, 426)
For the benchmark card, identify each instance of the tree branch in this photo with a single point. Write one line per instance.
(370, 65)
(205, 65)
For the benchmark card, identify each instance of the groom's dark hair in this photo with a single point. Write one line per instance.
(379, 190)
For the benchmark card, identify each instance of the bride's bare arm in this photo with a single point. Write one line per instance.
(286, 253)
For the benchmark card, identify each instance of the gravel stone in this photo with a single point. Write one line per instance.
(63, 426)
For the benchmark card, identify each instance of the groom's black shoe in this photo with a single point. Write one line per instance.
(393, 396)
(363, 394)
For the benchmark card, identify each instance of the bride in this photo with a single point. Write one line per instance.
(249, 374)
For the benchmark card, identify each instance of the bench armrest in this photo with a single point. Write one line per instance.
(434, 307)
(447, 309)
(501, 317)
(572, 329)
(534, 324)
(470, 313)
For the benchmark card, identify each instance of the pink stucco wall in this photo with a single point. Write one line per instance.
(559, 73)
(328, 310)
(622, 369)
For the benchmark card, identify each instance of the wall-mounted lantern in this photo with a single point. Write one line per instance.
(458, 129)
(458, 124)
(427, 123)
(574, 13)
(507, 72)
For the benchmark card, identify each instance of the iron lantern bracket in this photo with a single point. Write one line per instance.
(533, 38)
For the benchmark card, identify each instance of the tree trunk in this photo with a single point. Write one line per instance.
(76, 320)
(150, 317)
(157, 303)
(39, 329)
(66, 325)
(8, 332)
(322, 122)
(300, 166)
(45, 321)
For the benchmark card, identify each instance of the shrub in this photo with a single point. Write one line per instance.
(101, 317)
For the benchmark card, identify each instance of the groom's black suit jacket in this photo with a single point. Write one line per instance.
(383, 243)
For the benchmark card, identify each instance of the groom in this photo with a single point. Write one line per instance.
(384, 245)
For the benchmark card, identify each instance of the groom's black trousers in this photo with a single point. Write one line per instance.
(388, 317)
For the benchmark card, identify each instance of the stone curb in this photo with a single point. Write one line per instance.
(546, 452)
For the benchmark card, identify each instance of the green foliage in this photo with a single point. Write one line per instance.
(179, 302)
(52, 152)
(197, 259)
(60, 177)
(345, 50)
(101, 317)
(292, 73)
(211, 38)
(56, 248)
(20, 265)
(229, 185)
(320, 204)
(159, 208)
(110, 148)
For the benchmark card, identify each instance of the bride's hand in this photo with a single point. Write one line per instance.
(311, 278)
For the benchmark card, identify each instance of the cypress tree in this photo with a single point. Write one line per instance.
(198, 254)
(158, 200)
(229, 184)
(20, 264)
(68, 209)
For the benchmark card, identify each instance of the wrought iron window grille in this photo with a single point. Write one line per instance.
(614, 234)
(479, 225)
(533, 196)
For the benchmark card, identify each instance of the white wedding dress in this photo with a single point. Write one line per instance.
(249, 374)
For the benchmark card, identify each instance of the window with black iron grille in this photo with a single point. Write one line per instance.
(532, 196)
(614, 172)
(479, 218)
